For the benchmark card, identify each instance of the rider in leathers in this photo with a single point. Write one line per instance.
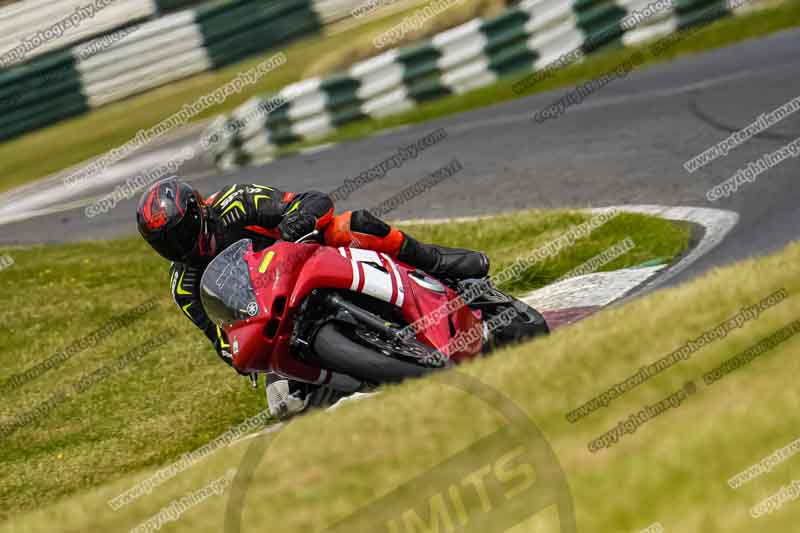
(189, 230)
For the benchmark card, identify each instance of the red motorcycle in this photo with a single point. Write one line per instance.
(350, 318)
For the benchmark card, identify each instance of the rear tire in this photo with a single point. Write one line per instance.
(339, 353)
(528, 324)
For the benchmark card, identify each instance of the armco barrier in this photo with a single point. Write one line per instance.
(43, 91)
(167, 6)
(524, 38)
(234, 30)
(24, 20)
(55, 85)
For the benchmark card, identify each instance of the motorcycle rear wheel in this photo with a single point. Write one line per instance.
(338, 352)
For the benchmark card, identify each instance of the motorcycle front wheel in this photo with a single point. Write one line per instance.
(338, 352)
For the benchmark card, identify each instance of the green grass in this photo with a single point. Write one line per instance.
(508, 236)
(717, 34)
(180, 396)
(73, 141)
(324, 467)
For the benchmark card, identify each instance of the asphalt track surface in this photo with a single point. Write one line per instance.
(625, 144)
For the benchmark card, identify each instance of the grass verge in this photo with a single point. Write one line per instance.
(179, 396)
(673, 470)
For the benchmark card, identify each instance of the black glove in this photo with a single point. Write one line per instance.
(296, 225)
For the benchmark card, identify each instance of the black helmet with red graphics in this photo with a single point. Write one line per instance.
(170, 217)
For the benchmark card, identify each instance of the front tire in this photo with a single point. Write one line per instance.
(339, 353)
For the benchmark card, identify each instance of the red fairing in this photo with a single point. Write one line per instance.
(262, 343)
(249, 346)
(328, 269)
(427, 297)
(416, 294)
(294, 270)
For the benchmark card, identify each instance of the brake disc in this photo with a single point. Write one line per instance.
(415, 350)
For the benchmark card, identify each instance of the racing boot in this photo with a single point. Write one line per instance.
(287, 398)
(361, 229)
(442, 262)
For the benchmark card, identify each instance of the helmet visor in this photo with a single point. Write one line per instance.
(180, 240)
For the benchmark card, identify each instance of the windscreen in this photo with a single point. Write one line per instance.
(226, 290)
